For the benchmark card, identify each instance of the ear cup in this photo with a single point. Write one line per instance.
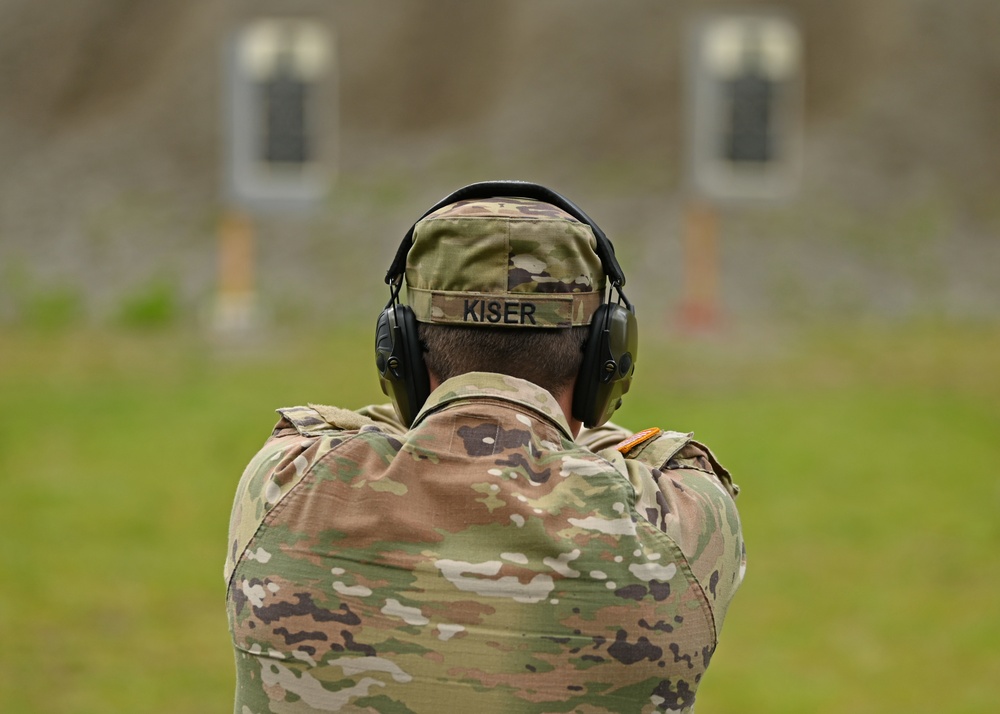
(608, 364)
(400, 361)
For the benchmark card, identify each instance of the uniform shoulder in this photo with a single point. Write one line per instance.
(319, 419)
(669, 450)
(322, 419)
(303, 436)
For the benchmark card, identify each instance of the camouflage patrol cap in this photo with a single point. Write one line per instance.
(503, 262)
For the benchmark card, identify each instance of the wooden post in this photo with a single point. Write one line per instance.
(235, 308)
(699, 309)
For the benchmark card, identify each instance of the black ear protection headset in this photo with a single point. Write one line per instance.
(608, 355)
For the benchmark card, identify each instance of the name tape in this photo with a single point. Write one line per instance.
(507, 312)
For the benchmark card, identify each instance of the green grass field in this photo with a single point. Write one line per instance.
(870, 503)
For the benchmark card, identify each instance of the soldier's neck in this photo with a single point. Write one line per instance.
(564, 399)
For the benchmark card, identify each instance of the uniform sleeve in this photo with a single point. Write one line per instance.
(700, 514)
(683, 490)
(300, 438)
(270, 475)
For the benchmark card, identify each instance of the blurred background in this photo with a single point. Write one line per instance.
(114, 138)
(198, 202)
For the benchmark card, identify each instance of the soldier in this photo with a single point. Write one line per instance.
(471, 547)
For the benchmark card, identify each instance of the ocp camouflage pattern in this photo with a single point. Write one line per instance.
(481, 561)
(504, 262)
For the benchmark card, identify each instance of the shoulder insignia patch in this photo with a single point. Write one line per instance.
(641, 437)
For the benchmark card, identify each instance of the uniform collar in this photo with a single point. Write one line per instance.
(479, 385)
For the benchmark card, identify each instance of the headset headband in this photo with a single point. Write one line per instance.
(516, 189)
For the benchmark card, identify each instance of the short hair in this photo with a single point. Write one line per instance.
(549, 358)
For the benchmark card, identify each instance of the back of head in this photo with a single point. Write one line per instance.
(499, 281)
(549, 358)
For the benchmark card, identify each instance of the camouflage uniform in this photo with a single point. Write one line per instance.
(483, 559)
